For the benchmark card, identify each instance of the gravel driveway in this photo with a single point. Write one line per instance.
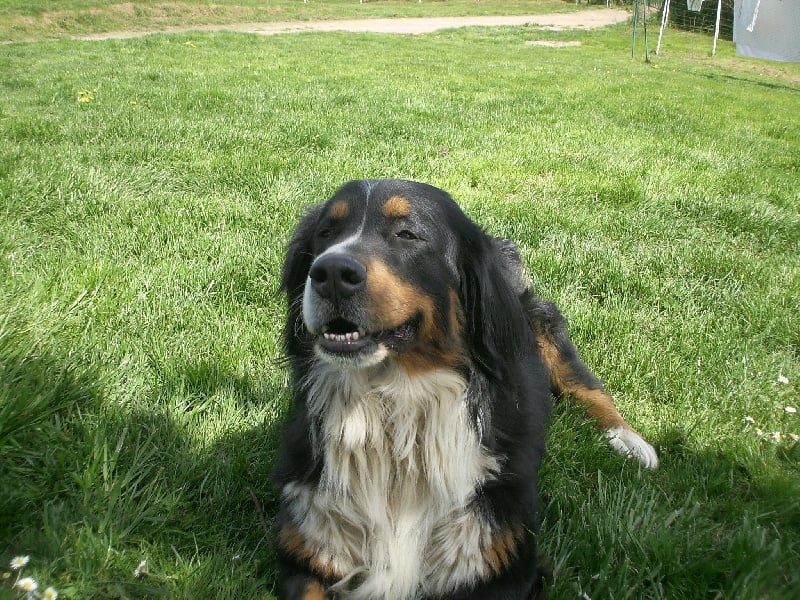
(585, 19)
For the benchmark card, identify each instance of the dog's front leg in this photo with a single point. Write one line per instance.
(302, 587)
(570, 376)
(301, 575)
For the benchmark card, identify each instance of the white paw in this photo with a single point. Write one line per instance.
(629, 443)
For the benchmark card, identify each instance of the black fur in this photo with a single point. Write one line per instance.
(490, 337)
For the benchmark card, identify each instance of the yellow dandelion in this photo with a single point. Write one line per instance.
(189, 44)
(19, 562)
(85, 96)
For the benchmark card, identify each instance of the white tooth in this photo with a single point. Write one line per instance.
(349, 337)
(355, 335)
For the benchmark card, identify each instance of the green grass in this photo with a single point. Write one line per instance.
(37, 19)
(141, 236)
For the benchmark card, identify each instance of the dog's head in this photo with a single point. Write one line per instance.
(389, 270)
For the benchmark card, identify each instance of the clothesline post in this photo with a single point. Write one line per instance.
(716, 28)
(636, 15)
(664, 21)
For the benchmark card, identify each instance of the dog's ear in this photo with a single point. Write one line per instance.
(299, 255)
(495, 323)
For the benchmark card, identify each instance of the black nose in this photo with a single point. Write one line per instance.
(337, 276)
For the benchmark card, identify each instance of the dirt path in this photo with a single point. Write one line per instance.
(586, 19)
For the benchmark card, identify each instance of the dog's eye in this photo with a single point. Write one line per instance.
(405, 234)
(324, 233)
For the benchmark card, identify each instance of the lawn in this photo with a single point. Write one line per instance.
(148, 188)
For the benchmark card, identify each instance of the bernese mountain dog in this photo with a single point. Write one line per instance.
(423, 369)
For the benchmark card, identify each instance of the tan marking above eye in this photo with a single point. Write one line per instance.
(397, 207)
(340, 209)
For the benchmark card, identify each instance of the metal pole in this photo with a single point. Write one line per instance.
(646, 51)
(716, 28)
(635, 22)
(664, 21)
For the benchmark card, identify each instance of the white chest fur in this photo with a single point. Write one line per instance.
(401, 465)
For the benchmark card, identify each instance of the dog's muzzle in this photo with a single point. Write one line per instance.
(336, 311)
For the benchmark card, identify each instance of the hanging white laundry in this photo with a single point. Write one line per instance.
(755, 17)
(694, 5)
(767, 29)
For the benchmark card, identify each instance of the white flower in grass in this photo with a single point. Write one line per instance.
(794, 437)
(791, 410)
(141, 569)
(19, 562)
(749, 420)
(782, 379)
(27, 584)
(777, 436)
(50, 594)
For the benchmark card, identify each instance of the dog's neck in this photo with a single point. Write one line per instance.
(402, 464)
(396, 433)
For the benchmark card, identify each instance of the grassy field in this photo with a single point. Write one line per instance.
(36, 19)
(148, 188)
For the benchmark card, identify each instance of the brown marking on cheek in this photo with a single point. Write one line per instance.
(340, 209)
(397, 207)
(501, 551)
(394, 302)
(315, 591)
(292, 541)
(597, 402)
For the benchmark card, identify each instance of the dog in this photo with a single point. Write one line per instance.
(423, 369)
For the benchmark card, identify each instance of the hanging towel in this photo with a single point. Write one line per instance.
(694, 5)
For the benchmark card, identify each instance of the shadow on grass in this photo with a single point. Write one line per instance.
(740, 80)
(92, 487)
(101, 487)
(38, 386)
(709, 522)
(219, 531)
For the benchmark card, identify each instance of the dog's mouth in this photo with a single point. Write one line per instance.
(342, 338)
